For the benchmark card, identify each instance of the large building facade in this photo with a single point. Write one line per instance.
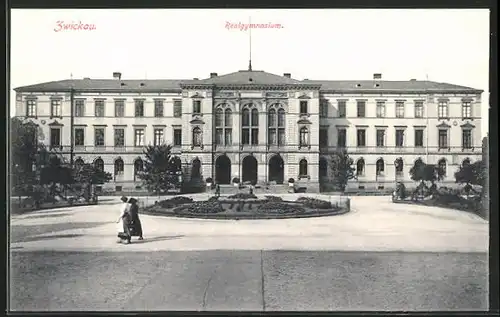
(258, 126)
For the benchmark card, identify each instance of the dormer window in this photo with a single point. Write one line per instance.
(358, 85)
(196, 106)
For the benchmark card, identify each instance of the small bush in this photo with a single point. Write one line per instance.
(175, 201)
(291, 180)
(273, 198)
(205, 207)
(236, 180)
(281, 208)
(315, 203)
(209, 180)
(242, 196)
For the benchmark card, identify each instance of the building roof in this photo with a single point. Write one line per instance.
(243, 77)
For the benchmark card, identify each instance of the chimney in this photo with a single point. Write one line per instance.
(212, 75)
(117, 75)
(287, 75)
(377, 76)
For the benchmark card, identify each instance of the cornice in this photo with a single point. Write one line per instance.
(395, 91)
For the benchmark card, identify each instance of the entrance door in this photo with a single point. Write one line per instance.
(276, 169)
(249, 167)
(223, 170)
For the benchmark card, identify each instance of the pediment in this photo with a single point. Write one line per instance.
(468, 125)
(197, 95)
(304, 121)
(55, 123)
(197, 121)
(304, 96)
(443, 125)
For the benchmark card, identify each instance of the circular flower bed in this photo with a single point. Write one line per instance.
(242, 196)
(175, 201)
(281, 208)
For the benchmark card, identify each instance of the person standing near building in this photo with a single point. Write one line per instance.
(124, 221)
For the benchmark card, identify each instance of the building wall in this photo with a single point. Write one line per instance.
(291, 153)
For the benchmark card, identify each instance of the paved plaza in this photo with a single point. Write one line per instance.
(380, 256)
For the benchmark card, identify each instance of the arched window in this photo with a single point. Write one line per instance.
(197, 140)
(228, 118)
(196, 169)
(276, 130)
(250, 125)
(360, 167)
(442, 166)
(399, 166)
(304, 136)
(99, 164)
(323, 167)
(380, 165)
(79, 163)
(119, 167)
(303, 167)
(175, 164)
(218, 117)
(138, 167)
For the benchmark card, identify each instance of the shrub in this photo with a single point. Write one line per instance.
(175, 201)
(242, 196)
(273, 198)
(209, 180)
(315, 203)
(291, 180)
(281, 208)
(236, 180)
(205, 207)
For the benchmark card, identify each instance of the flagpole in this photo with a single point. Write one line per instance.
(250, 43)
(427, 121)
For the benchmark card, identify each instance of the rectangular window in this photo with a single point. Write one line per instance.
(99, 108)
(31, 108)
(177, 137)
(119, 137)
(380, 138)
(55, 108)
(281, 137)
(55, 137)
(342, 109)
(443, 110)
(79, 108)
(380, 109)
(443, 139)
(466, 110)
(400, 134)
(255, 136)
(245, 136)
(361, 109)
(467, 139)
(400, 109)
(419, 109)
(196, 106)
(219, 136)
(119, 108)
(139, 108)
(303, 107)
(228, 136)
(419, 138)
(341, 137)
(79, 136)
(158, 108)
(139, 137)
(361, 136)
(323, 109)
(99, 136)
(323, 137)
(272, 137)
(177, 108)
(158, 137)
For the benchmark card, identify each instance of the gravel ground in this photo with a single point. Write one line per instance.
(248, 280)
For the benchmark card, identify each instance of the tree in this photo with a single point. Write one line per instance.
(55, 173)
(342, 170)
(87, 175)
(422, 172)
(160, 168)
(472, 174)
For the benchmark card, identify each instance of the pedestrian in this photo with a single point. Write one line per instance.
(124, 221)
(217, 191)
(135, 221)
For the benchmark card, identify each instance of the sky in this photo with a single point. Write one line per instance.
(442, 45)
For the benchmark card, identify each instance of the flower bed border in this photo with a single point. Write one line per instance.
(242, 216)
(423, 203)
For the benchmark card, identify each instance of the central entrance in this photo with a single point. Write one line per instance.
(276, 169)
(249, 169)
(223, 170)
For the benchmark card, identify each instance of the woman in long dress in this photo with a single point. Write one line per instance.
(124, 221)
(136, 222)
